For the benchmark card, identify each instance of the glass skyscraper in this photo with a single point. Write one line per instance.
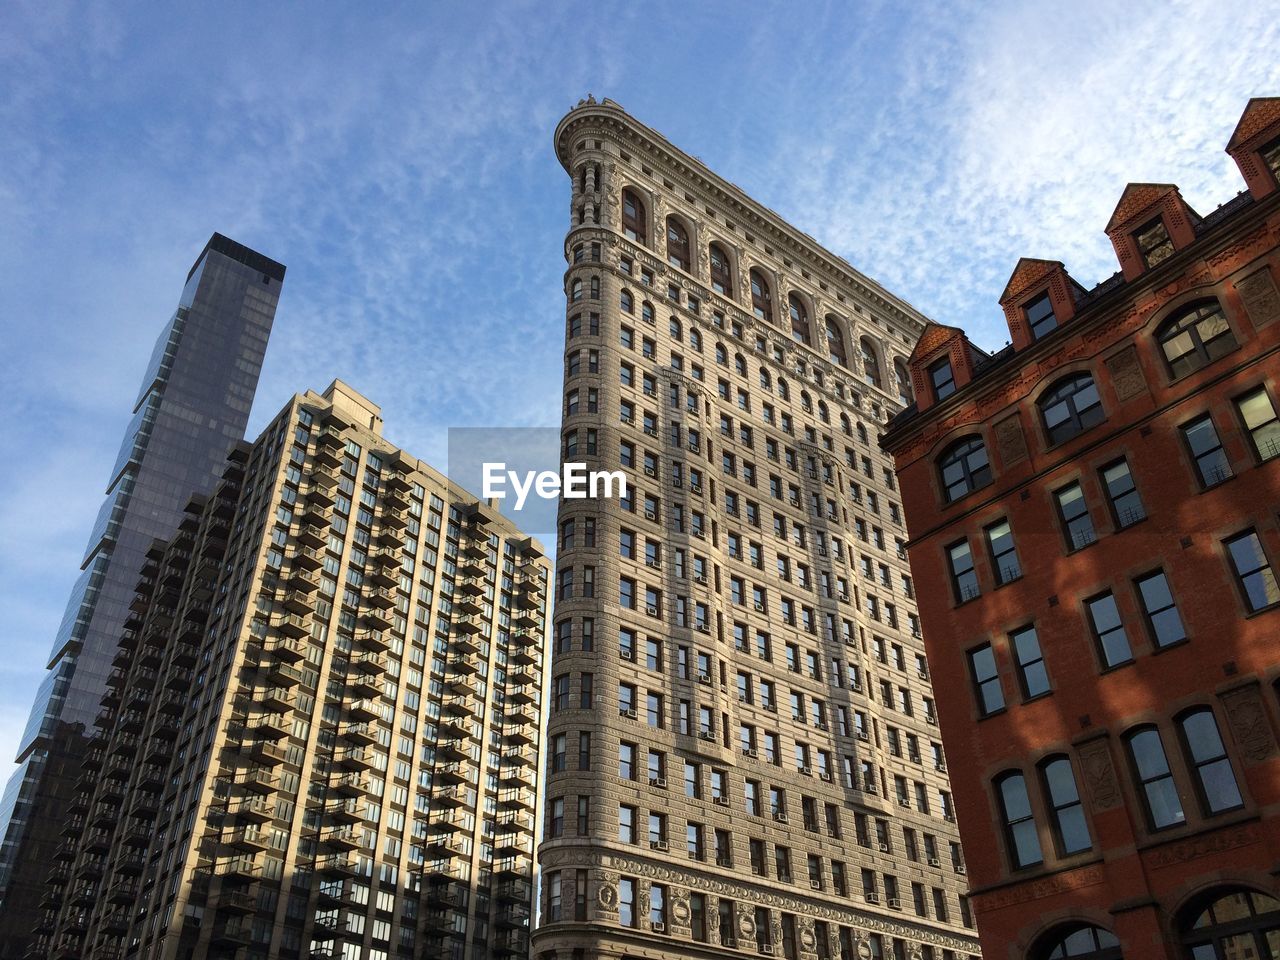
(192, 405)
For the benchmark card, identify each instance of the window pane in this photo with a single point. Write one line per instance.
(1060, 785)
(1021, 826)
(1209, 757)
(1162, 613)
(1107, 626)
(1163, 805)
(1026, 645)
(1126, 505)
(990, 695)
(1254, 573)
(1259, 417)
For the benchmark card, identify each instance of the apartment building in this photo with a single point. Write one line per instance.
(320, 732)
(742, 749)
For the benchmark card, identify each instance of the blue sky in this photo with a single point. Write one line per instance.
(398, 159)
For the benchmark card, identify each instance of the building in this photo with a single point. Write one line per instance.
(741, 741)
(1093, 528)
(319, 737)
(194, 400)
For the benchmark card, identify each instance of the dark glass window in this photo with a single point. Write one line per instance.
(1212, 466)
(1108, 630)
(964, 578)
(1207, 757)
(1040, 316)
(1031, 670)
(1019, 823)
(1073, 509)
(1259, 417)
(1195, 337)
(1159, 792)
(799, 319)
(1004, 555)
(964, 467)
(1080, 943)
(677, 244)
(761, 300)
(720, 279)
(633, 218)
(1126, 504)
(982, 664)
(1253, 572)
(835, 344)
(1271, 157)
(1071, 407)
(1070, 830)
(1153, 242)
(943, 380)
(1161, 612)
(1232, 924)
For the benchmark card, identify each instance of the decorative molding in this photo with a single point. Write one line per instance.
(1099, 774)
(1247, 718)
(1011, 443)
(1044, 887)
(1258, 293)
(1127, 378)
(1202, 846)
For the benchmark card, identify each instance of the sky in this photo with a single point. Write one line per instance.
(398, 159)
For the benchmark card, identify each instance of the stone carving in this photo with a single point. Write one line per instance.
(1011, 444)
(746, 924)
(1258, 291)
(1046, 887)
(1126, 373)
(607, 895)
(680, 908)
(1099, 775)
(1204, 845)
(1247, 718)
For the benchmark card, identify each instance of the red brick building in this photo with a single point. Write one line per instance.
(1094, 515)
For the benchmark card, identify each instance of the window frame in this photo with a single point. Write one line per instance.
(980, 683)
(1184, 429)
(973, 480)
(1079, 420)
(1241, 577)
(1187, 321)
(1010, 826)
(1196, 765)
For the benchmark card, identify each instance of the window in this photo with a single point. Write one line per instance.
(986, 681)
(626, 824)
(720, 278)
(1259, 417)
(1066, 813)
(1126, 505)
(1215, 780)
(964, 467)
(1004, 556)
(1040, 318)
(1160, 794)
(1073, 510)
(1108, 630)
(1195, 337)
(870, 362)
(942, 378)
(1254, 575)
(799, 319)
(633, 218)
(1077, 942)
(677, 244)
(1232, 923)
(1021, 835)
(761, 301)
(1212, 466)
(1031, 670)
(1070, 407)
(964, 578)
(1153, 242)
(835, 343)
(627, 902)
(1163, 621)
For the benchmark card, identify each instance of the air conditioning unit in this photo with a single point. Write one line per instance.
(695, 488)
(820, 724)
(750, 752)
(707, 735)
(904, 802)
(704, 678)
(923, 674)
(700, 577)
(651, 514)
(658, 926)
(628, 420)
(930, 719)
(759, 607)
(815, 884)
(650, 391)
(771, 706)
(660, 782)
(730, 942)
(949, 817)
(702, 628)
(835, 834)
(724, 861)
(651, 610)
(742, 698)
(657, 845)
(844, 597)
(895, 904)
(871, 897)
(824, 776)
(649, 562)
(941, 766)
(651, 471)
(651, 431)
(766, 949)
(780, 816)
(628, 654)
(630, 713)
(884, 848)
(863, 735)
(721, 801)
(934, 862)
(806, 771)
(700, 534)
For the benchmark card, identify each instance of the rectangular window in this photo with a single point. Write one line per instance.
(1040, 316)
(627, 902)
(1126, 505)
(1253, 572)
(1004, 555)
(986, 681)
(1212, 466)
(1108, 630)
(1163, 621)
(1073, 510)
(1031, 670)
(1153, 242)
(964, 578)
(942, 378)
(1259, 416)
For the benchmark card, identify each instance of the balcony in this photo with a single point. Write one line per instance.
(307, 558)
(231, 933)
(513, 891)
(362, 686)
(349, 810)
(342, 838)
(511, 943)
(396, 519)
(374, 619)
(293, 625)
(276, 698)
(465, 626)
(374, 640)
(348, 785)
(267, 726)
(124, 891)
(451, 773)
(278, 674)
(336, 865)
(249, 839)
(354, 758)
(242, 869)
(296, 601)
(256, 780)
(258, 809)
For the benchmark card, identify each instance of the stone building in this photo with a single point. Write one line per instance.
(742, 749)
(319, 737)
(1093, 528)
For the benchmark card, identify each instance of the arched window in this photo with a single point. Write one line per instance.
(677, 244)
(646, 311)
(806, 404)
(626, 302)
(695, 340)
(1080, 941)
(722, 356)
(964, 467)
(799, 318)
(845, 426)
(740, 364)
(823, 414)
(1207, 757)
(1070, 829)
(673, 328)
(721, 280)
(835, 343)
(1159, 792)
(1020, 832)
(1071, 406)
(905, 393)
(633, 218)
(1195, 337)
(870, 362)
(784, 392)
(575, 291)
(765, 380)
(1228, 923)
(761, 299)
